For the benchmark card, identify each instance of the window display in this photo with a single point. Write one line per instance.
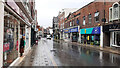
(117, 38)
(10, 45)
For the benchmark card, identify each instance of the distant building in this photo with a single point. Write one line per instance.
(55, 28)
(61, 16)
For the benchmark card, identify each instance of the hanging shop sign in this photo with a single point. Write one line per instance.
(96, 30)
(111, 27)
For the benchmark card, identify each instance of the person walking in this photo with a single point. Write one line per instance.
(22, 45)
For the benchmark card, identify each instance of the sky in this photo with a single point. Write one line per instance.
(47, 9)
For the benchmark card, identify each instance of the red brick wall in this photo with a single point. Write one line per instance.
(92, 8)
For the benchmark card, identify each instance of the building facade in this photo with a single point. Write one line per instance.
(112, 29)
(55, 28)
(61, 16)
(16, 19)
(86, 25)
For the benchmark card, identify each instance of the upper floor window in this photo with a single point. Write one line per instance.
(90, 18)
(77, 21)
(115, 11)
(63, 24)
(97, 16)
(70, 23)
(84, 20)
(73, 23)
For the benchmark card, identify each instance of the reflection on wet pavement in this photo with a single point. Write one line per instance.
(49, 53)
(75, 55)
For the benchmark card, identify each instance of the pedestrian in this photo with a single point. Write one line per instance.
(22, 45)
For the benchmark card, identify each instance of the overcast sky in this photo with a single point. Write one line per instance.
(47, 9)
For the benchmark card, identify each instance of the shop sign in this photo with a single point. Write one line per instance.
(66, 30)
(112, 27)
(6, 47)
(95, 30)
(74, 29)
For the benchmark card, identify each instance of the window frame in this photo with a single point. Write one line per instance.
(97, 17)
(90, 18)
(84, 22)
(113, 15)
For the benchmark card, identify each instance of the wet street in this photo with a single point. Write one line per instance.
(49, 53)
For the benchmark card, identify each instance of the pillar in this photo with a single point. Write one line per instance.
(1, 31)
(101, 37)
(18, 37)
(30, 37)
(25, 37)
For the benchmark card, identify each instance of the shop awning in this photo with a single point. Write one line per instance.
(95, 30)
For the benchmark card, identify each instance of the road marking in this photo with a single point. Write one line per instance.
(51, 58)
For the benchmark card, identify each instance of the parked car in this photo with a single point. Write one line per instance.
(49, 37)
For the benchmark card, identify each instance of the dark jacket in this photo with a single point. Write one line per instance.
(22, 43)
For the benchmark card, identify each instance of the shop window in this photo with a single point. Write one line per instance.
(84, 20)
(89, 18)
(10, 44)
(69, 35)
(117, 38)
(97, 16)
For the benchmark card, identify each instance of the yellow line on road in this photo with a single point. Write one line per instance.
(51, 58)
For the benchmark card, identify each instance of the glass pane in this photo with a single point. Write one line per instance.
(10, 43)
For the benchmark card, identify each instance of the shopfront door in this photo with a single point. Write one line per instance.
(75, 37)
(118, 38)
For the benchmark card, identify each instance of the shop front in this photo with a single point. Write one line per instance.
(72, 33)
(75, 34)
(91, 36)
(66, 33)
(61, 34)
(11, 38)
(114, 34)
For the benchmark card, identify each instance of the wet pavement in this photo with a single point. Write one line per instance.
(49, 53)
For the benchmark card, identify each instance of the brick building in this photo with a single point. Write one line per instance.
(86, 24)
(61, 16)
(112, 29)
